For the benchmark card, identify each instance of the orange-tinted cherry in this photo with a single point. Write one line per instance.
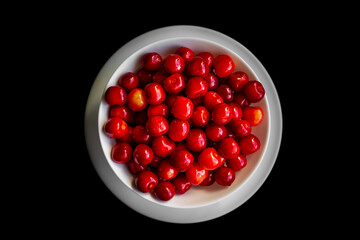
(137, 100)
(254, 115)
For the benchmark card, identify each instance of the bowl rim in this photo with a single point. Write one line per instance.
(93, 138)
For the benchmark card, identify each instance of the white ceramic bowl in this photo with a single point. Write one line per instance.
(199, 203)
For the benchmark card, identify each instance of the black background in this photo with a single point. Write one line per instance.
(64, 192)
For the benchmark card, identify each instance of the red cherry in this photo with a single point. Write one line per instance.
(115, 128)
(241, 128)
(173, 63)
(165, 191)
(215, 132)
(208, 58)
(223, 65)
(144, 76)
(197, 67)
(221, 114)
(140, 117)
(175, 83)
(170, 100)
(196, 140)
(154, 93)
(240, 99)
(163, 146)
(121, 153)
(200, 116)
(209, 180)
(224, 176)
(129, 81)
(237, 80)
(178, 130)
(182, 160)
(146, 181)
(209, 159)
(140, 135)
(196, 174)
(226, 93)
(158, 110)
(151, 61)
(160, 76)
(236, 112)
(137, 100)
(182, 108)
(195, 87)
(211, 99)
(212, 82)
(135, 167)
(128, 137)
(181, 184)
(254, 91)
(186, 53)
(254, 115)
(157, 126)
(143, 154)
(249, 144)
(166, 171)
(228, 148)
(122, 112)
(115, 95)
(237, 162)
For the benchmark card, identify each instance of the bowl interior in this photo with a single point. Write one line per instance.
(197, 196)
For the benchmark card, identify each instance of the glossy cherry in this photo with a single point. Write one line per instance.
(175, 83)
(140, 135)
(237, 80)
(223, 65)
(254, 115)
(254, 91)
(144, 76)
(237, 163)
(165, 191)
(182, 108)
(211, 99)
(236, 112)
(209, 180)
(195, 87)
(186, 53)
(208, 58)
(137, 100)
(212, 82)
(146, 181)
(196, 140)
(115, 128)
(200, 116)
(196, 174)
(173, 63)
(135, 167)
(228, 148)
(210, 159)
(182, 160)
(215, 132)
(178, 130)
(221, 114)
(240, 99)
(129, 81)
(197, 67)
(225, 92)
(115, 95)
(224, 176)
(158, 110)
(122, 112)
(151, 61)
(241, 128)
(159, 76)
(121, 153)
(143, 154)
(154, 93)
(165, 170)
(157, 126)
(163, 146)
(249, 144)
(181, 184)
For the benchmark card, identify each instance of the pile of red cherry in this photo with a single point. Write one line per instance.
(183, 120)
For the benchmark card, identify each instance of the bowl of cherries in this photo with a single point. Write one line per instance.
(183, 124)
